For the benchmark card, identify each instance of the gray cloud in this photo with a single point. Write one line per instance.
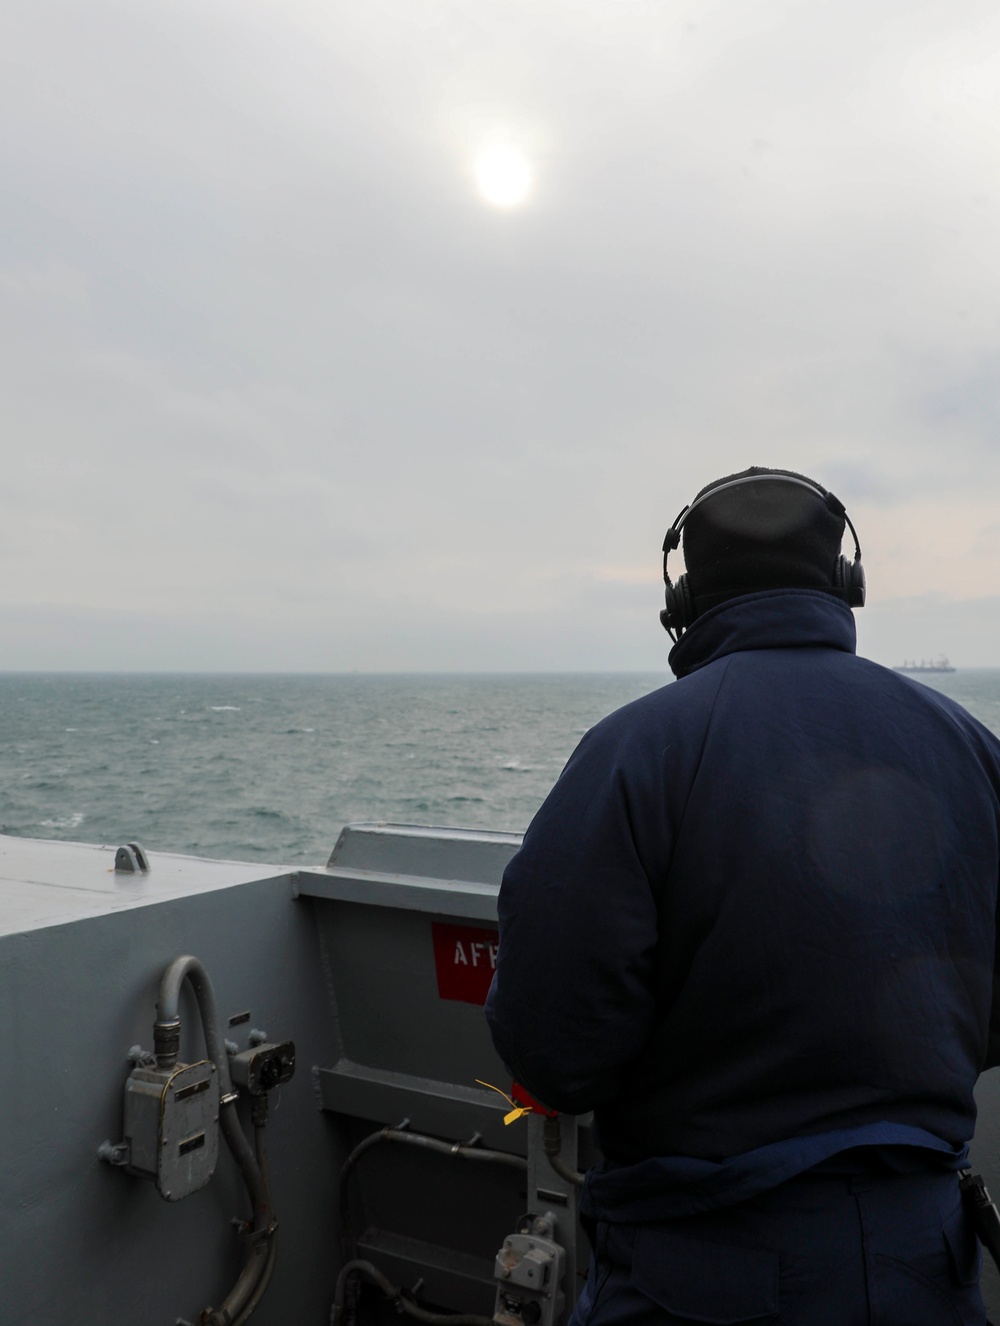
(263, 346)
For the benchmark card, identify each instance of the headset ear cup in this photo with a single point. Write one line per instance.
(669, 615)
(849, 577)
(856, 589)
(679, 612)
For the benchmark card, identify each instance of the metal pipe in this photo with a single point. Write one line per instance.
(396, 1296)
(233, 1308)
(456, 1149)
(401, 1134)
(260, 1149)
(552, 1142)
(570, 1175)
(262, 1284)
(166, 1028)
(253, 1280)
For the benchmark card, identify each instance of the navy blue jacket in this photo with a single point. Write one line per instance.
(760, 903)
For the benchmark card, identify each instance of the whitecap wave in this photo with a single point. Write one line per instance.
(223, 708)
(69, 822)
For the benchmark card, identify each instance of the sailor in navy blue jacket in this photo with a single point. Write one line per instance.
(753, 927)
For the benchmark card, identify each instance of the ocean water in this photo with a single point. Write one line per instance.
(270, 768)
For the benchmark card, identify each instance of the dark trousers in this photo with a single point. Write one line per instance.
(821, 1250)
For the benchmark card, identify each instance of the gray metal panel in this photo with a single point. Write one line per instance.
(450, 1279)
(452, 1211)
(474, 855)
(85, 1243)
(549, 1192)
(407, 892)
(408, 1051)
(452, 872)
(47, 883)
(384, 991)
(443, 1109)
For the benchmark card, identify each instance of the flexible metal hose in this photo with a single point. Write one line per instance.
(552, 1142)
(402, 1135)
(396, 1296)
(260, 1289)
(166, 1036)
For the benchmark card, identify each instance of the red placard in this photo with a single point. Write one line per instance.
(466, 958)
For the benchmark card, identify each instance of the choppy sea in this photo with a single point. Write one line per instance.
(270, 768)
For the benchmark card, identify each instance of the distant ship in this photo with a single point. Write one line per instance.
(938, 665)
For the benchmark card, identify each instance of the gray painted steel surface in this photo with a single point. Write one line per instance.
(341, 959)
(407, 1053)
(81, 956)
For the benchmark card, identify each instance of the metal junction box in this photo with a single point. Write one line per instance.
(264, 1067)
(529, 1270)
(172, 1126)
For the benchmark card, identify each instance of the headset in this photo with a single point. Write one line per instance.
(848, 576)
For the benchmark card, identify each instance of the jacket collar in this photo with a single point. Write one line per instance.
(769, 619)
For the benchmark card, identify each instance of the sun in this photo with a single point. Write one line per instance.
(503, 174)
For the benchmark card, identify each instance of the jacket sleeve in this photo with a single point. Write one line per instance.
(987, 749)
(992, 1059)
(572, 1003)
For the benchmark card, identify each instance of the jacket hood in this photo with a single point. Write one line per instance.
(768, 619)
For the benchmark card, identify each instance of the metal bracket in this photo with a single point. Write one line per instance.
(131, 860)
(114, 1153)
(530, 1269)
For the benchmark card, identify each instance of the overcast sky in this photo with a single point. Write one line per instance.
(283, 387)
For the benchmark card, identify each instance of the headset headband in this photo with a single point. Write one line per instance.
(673, 535)
(681, 610)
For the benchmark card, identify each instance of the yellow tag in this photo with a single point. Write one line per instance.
(516, 1113)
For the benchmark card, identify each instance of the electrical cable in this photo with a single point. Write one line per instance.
(563, 1170)
(396, 1296)
(401, 1134)
(166, 1037)
(260, 1149)
(552, 1142)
